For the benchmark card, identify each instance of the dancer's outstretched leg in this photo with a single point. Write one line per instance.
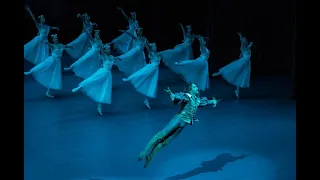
(160, 146)
(76, 89)
(216, 74)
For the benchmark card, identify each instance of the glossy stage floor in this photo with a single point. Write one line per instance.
(252, 138)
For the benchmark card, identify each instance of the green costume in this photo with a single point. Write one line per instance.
(189, 105)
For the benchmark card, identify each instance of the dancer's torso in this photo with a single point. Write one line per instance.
(155, 58)
(44, 30)
(189, 108)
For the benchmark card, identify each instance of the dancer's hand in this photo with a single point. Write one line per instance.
(168, 90)
(177, 63)
(27, 8)
(215, 101)
(122, 31)
(119, 8)
(78, 15)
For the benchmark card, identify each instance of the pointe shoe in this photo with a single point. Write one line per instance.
(49, 95)
(27, 73)
(146, 102)
(67, 69)
(237, 93)
(76, 89)
(215, 74)
(99, 109)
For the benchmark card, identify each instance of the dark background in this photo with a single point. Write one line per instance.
(268, 23)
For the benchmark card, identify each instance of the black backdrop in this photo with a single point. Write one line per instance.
(268, 23)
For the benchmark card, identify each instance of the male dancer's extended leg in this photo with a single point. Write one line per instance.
(161, 145)
(170, 129)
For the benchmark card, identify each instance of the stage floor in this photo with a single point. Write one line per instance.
(65, 138)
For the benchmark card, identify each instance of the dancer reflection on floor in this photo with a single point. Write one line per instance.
(145, 80)
(238, 72)
(190, 101)
(36, 50)
(99, 86)
(82, 43)
(123, 43)
(48, 73)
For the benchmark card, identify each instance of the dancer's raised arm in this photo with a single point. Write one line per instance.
(183, 30)
(31, 14)
(124, 14)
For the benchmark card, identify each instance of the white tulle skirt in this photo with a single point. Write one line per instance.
(238, 72)
(48, 73)
(179, 53)
(132, 61)
(196, 71)
(98, 86)
(80, 46)
(123, 43)
(36, 50)
(145, 80)
(87, 64)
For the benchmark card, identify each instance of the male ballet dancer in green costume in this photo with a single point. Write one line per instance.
(189, 104)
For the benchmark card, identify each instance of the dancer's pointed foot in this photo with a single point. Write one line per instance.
(99, 108)
(215, 74)
(76, 89)
(49, 95)
(67, 69)
(146, 102)
(141, 156)
(237, 93)
(27, 73)
(148, 159)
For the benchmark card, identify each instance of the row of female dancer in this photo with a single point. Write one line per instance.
(94, 60)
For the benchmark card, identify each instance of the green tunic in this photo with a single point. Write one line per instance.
(189, 105)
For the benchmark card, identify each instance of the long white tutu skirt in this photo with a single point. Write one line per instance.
(179, 53)
(238, 72)
(80, 46)
(123, 43)
(196, 71)
(49, 73)
(87, 64)
(98, 86)
(131, 61)
(36, 50)
(145, 80)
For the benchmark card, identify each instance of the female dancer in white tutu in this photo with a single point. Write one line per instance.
(181, 51)
(90, 62)
(124, 42)
(145, 80)
(36, 50)
(238, 72)
(135, 58)
(99, 86)
(82, 44)
(196, 71)
(48, 73)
